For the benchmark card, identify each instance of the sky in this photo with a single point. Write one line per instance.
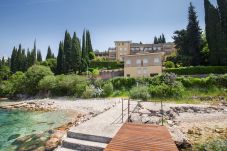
(23, 21)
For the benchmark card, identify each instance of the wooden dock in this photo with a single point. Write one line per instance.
(138, 137)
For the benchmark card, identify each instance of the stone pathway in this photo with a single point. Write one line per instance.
(97, 132)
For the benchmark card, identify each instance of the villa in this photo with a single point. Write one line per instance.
(123, 48)
(142, 64)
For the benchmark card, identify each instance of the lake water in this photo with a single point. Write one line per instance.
(19, 124)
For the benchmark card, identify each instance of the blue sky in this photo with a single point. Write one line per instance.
(23, 21)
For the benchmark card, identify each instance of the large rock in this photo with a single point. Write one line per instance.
(51, 144)
(179, 137)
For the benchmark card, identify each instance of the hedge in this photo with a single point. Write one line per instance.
(198, 70)
(106, 64)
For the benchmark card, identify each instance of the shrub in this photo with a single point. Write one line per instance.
(52, 63)
(198, 70)
(107, 89)
(169, 64)
(121, 82)
(106, 64)
(33, 75)
(140, 92)
(91, 92)
(70, 85)
(48, 83)
(17, 82)
(165, 90)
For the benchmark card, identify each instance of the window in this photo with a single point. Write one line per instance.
(128, 75)
(138, 70)
(145, 70)
(156, 60)
(128, 61)
(138, 62)
(145, 60)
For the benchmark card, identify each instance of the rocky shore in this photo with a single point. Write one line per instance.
(82, 111)
(188, 124)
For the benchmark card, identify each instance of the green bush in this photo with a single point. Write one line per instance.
(107, 89)
(163, 90)
(198, 70)
(48, 83)
(140, 92)
(33, 75)
(89, 92)
(121, 82)
(210, 81)
(52, 63)
(17, 82)
(106, 64)
(169, 64)
(70, 85)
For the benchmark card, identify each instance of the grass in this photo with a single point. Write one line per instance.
(190, 95)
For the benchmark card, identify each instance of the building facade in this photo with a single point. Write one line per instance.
(123, 48)
(142, 64)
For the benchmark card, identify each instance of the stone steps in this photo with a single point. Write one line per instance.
(88, 137)
(82, 145)
(96, 133)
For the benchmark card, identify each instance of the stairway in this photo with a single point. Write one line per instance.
(96, 133)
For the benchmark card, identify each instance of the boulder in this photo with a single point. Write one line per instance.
(51, 144)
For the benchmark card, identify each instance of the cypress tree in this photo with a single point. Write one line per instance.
(163, 39)
(194, 36)
(84, 58)
(29, 59)
(49, 53)
(24, 61)
(39, 56)
(60, 59)
(33, 54)
(214, 35)
(76, 53)
(222, 6)
(89, 48)
(155, 40)
(19, 59)
(68, 52)
(14, 60)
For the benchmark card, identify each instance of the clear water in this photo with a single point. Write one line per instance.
(18, 124)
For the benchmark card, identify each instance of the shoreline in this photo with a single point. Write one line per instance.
(81, 113)
(189, 124)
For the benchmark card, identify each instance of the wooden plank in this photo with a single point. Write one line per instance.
(140, 137)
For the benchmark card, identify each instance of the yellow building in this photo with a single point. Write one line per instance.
(123, 48)
(142, 64)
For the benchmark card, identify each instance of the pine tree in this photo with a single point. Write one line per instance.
(49, 53)
(222, 6)
(89, 48)
(39, 56)
(14, 60)
(84, 58)
(194, 36)
(76, 53)
(214, 34)
(68, 52)
(60, 59)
